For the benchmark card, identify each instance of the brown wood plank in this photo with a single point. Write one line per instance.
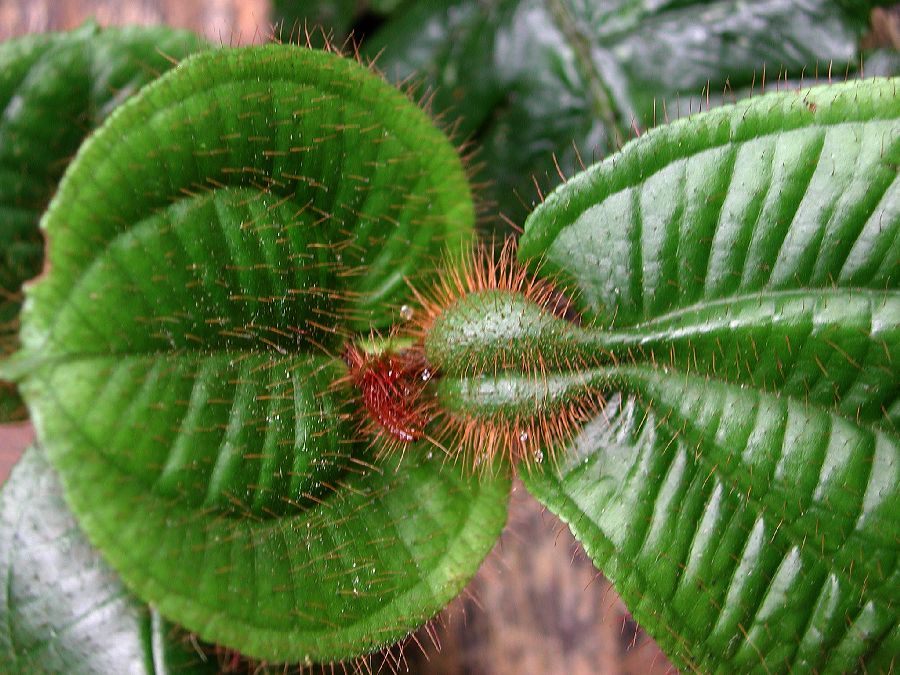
(222, 21)
(537, 605)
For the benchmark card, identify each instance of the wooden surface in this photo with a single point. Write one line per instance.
(537, 605)
(223, 21)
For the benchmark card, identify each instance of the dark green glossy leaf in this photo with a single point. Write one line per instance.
(535, 78)
(63, 609)
(883, 63)
(862, 7)
(215, 244)
(386, 6)
(741, 486)
(332, 18)
(336, 20)
(53, 90)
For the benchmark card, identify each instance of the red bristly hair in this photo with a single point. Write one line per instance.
(393, 387)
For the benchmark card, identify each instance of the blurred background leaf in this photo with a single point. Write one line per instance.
(63, 609)
(54, 89)
(542, 86)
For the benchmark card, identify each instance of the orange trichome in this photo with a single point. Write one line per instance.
(494, 370)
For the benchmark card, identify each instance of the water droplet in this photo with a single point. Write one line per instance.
(406, 312)
(429, 455)
(426, 375)
(523, 437)
(538, 456)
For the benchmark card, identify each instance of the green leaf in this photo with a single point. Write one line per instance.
(316, 18)
(385, 7)
(531, 79)
(739, 272)
(215, 245)
(883, 62)
(338, 22)
(863, 7)
(53, 90)
(63, 610)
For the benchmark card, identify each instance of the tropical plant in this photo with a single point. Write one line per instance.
(280, 389)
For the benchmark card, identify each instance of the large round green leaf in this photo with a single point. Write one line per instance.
(53, 90)
(739, 274)
(62, 609)
(213, 247)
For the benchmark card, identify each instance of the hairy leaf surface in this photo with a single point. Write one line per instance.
(54, 89)
(214, 246)
(741, 486)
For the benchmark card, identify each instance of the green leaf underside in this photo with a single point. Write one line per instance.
(53, 90)
(213, 247)
(536, 82)
(741, 486)
(63, 609)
